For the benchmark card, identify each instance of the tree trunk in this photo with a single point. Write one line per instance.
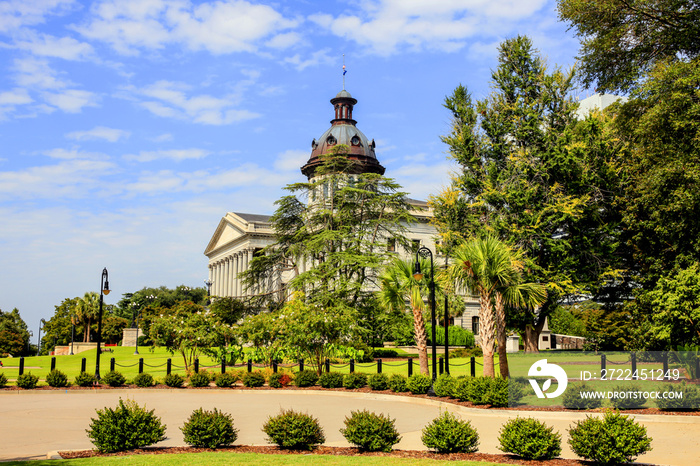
(501, 335)
(421, 341)
(486, 332)
(532, 336)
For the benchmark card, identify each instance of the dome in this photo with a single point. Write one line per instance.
(344, 131)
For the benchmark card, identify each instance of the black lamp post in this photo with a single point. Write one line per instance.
(104, 289)
(447, 325)
(42, 322)
(138, 317)
(418, 275)
(72, 334)
(209, 283)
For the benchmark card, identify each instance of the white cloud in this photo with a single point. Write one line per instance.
(15, 14)
(36, 73)
(218, 27)
(292, 160)
(99, 133)
(172, 101)
(73, 154)
(177, 155)
(320, 57)
(50, 46)
(71, 100)
(9, 100)
(386, 25)
(165, 137)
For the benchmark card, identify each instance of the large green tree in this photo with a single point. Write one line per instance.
(535, 177)
(14, 335)
(623, 40)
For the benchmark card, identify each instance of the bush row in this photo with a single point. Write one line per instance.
(613, 439)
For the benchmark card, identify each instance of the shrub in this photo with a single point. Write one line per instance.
(573, 400)
(502, 392)
(384, 353)
(114, 379)
(378, 381)
(614, 439)
(199, 379)
(449, 434)
(305, 378)
(225, 380)
(209, 429)
(56, 378)
(3, 380)
(125, 427)
(294, 430)
(370, 431)
(397, 383)
(418, 384)
(143, 380)
(27, 381)
(476, 351)
(690, 400)
(632, 399)
(85, 379)
(444, 385)
(279, 380)
(354, 380)
(254, 379)
(529, 439)
(478, 390)
(331, 380)
(174, 380)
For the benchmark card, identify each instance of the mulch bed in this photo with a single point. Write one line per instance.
(337, 451)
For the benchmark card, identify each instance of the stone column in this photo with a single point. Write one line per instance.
(237, 268)
(227, 278)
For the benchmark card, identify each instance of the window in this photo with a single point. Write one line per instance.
(355, 141)
(416, 244)
(475, 325)
(331, 141)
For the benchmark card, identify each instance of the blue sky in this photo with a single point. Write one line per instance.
(129, 127)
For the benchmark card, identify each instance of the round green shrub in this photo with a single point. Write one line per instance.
(449, 434)
(199, 379)
(254, 379)
(209, 429)
(125, 427)
(114, 379)
(56, 378)
(370, 431)
(378, 381)
(632, 398)
(503, 392)
(354, 380)
(174, 380)
(478, 389)
(85, 379)
(690, 399)
(294, 430)
(27, 381)
(573, 399)
(305, 378)
(419, 384)
(444, 385)
(529, 439)
(3, 380)
(279, 380)
(225, 380)
(397, 383)
(143, 380)
(614, 439)
(331, 380)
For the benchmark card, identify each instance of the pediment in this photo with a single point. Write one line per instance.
(230, 229)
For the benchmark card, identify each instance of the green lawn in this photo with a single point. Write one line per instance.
(227, 458)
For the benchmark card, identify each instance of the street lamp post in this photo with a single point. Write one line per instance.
(209, 283)
(138, 317)
(72, 334)
(104, 289)
(447, 322)
(418, 275)
(42, 322)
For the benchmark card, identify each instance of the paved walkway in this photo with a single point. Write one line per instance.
(33, 423)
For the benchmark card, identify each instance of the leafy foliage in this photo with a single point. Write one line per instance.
(418, 384)
(370, 431)
(572, 398)
(253, 379)
(209, 429)
(378, 381)
(331, 380)
(449, 434)
(3, 380)
(200, 379)
(174, 380)
(144, 380)
(612, 440)
(125, 427)
(279, 380)
(56, 378)
(294, 430)
(27, 381)
(85, 379)
(632, 399)
(529, 439)
(14, 335)
(114, 379)
(444, 385)
(676, 304)
(305, 378)
(689, 401)
(354, 380)
(225, 380)
(397, 383)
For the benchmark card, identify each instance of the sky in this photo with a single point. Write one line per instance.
(128, 128)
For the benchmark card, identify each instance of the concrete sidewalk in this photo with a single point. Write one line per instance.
(33, 423)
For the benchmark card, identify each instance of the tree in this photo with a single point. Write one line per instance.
(86, 310)
(536, 178)
(623, 40)
(398, 287)
(14, 335)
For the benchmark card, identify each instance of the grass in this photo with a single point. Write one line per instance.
(226, 458)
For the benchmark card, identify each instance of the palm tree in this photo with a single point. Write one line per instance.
(86, 310)
(482, 265)
(399, 288)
